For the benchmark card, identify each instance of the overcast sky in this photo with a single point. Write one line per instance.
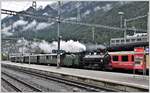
(21, 5)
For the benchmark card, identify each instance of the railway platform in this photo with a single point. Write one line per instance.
(109, 80)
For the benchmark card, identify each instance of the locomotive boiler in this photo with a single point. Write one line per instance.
(97, 59)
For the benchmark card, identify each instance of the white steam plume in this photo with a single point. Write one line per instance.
(68, 46)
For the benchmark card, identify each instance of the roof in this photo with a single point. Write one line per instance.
(125, 52)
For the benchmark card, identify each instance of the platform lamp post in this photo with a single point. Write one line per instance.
(121, 18)
(93, 34)
(58, 52)
(58, 35)
(134, 29)
(125, 30)
(29, 51)
(22, 44)
(121, 23)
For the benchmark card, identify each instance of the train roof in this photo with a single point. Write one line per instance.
(43, 54)
(36, 55)
(125, 52)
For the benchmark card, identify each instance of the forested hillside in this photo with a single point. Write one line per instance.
(102, 12)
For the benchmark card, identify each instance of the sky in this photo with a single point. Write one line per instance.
(21, 5)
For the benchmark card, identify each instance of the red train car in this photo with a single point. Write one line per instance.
(129, 60)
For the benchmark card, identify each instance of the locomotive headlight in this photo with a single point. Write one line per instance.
(101, 60)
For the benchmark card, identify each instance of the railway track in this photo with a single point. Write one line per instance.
(68, 82)
(13, 88)
(17, 84)
(80, 85)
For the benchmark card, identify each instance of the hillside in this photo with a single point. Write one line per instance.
(105, 13)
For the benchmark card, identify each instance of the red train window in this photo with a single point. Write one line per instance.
(115, 58)
(125, 58)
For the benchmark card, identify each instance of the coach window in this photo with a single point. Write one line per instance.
(46, 57)
(125, 58)
(115, 58)
(54, 57)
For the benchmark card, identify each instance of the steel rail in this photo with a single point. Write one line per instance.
(88, 87)
(23, 82)
(15, 88)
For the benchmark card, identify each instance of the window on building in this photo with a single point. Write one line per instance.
(117, 41)
(128, 40)
(122, 40)
(125, 58)
(115, 58)
(139, 39)
(112, 41)
(144, 39)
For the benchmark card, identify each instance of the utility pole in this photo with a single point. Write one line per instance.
(148, 23)
(121, 18)
(58, 33)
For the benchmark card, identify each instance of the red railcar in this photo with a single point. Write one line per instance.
(129, 60)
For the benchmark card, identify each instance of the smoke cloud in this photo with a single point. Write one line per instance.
(68, 46)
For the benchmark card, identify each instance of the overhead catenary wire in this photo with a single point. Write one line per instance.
(55, 19)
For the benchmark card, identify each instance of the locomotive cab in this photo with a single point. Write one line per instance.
(97, 59)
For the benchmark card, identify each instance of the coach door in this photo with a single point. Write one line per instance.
(38, 59)
(115, 61)
(139, 58)
(124, 61)
(127, 61)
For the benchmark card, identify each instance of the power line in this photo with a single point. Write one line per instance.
(139, 17)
